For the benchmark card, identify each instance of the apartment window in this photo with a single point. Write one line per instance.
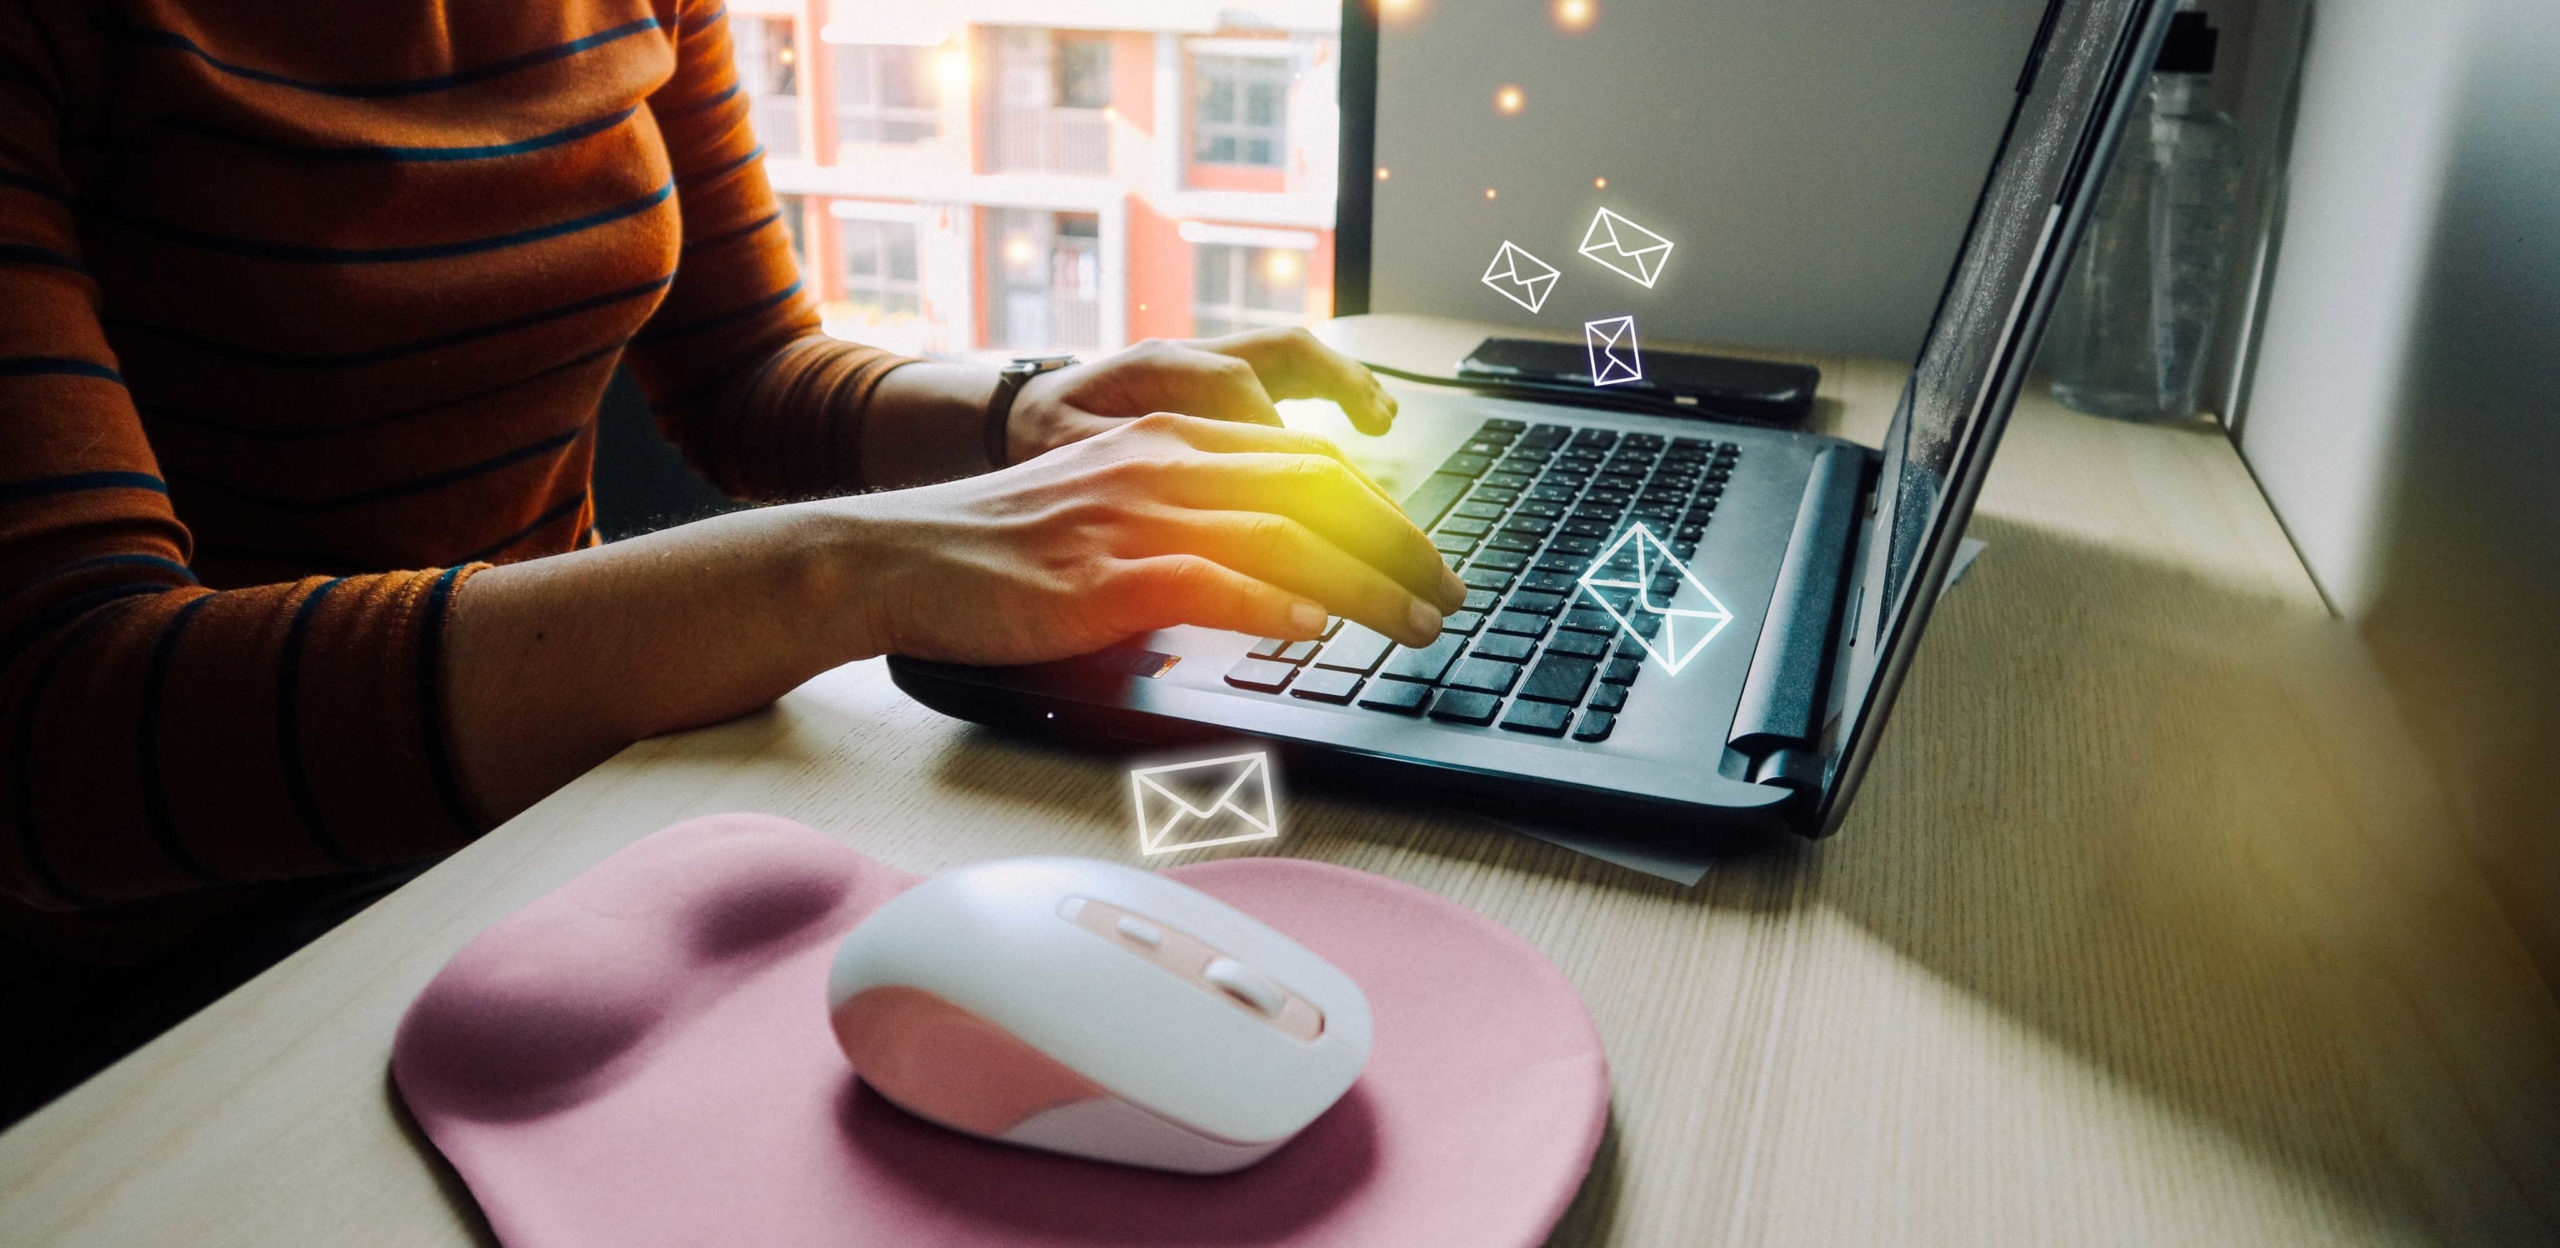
(768, 58)
(884, 94)
(1044, 280)
(1235, 288)
(880, 280)
(1239, 110)
(1084, 72)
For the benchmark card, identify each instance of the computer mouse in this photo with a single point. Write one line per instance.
(1093, 1009)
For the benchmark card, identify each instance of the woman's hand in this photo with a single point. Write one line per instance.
(1233, 378)
(1148, 523)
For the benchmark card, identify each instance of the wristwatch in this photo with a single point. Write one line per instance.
(1009, 381)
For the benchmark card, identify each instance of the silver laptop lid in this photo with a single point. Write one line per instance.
(2089, 59)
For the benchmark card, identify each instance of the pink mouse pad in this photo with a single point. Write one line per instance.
(642, 1057)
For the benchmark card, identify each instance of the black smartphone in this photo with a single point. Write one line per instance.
(1716, 384)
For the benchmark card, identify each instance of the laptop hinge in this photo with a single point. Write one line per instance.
(1782, 694)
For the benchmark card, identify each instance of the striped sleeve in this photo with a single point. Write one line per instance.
(157, 735)
(759, 400)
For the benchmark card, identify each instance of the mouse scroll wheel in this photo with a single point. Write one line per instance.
(1245, 984)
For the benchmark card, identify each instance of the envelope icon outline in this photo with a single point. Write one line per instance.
(1611, 342)
(1626, 248)
(1165, 816)
(1685, 630)
(1520, 277)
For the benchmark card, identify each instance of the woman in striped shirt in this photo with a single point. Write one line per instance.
(305, 311)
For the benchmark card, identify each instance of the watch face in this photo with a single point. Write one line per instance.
(1041, 363)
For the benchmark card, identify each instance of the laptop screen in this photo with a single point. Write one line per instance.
(2087, 62)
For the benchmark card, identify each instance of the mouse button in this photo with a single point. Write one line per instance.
(1131, 927)
(1245, 984)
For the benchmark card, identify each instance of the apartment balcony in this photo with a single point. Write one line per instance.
(1049, 140)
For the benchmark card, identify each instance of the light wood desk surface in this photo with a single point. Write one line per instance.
(2150, 927)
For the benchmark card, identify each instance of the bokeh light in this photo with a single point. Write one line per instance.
(1399, 10)
(1488, 192)
(1600, 184)
(1282, 266)
(1575, 16)
(1382, 173)
(1509, 100)
(1019, 252)
(952, 70)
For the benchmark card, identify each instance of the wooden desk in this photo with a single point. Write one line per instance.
(2149, 928)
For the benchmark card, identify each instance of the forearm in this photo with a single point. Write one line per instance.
(926, 422)
(555, 664)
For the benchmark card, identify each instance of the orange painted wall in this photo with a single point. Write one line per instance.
(1159, 275)
(1133, 79)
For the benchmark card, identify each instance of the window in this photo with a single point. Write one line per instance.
(1044, 280)
(768, 60)
(880, 281)
(1237, 288)
(1084, 72)
(1239, 110)
(884, 94)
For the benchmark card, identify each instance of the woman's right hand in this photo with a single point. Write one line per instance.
(1163, 520)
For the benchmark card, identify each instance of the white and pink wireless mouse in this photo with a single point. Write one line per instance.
(1093, 1009)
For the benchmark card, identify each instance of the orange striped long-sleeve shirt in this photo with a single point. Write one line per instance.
(305, 310)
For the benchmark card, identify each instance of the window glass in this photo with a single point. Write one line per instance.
(1237, 288)
(880, 269)
(1084, 72)
(1240, 110)
(885, 94)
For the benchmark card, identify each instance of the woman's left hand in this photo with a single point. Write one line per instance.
(1237, 377)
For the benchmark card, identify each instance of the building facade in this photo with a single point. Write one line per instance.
(996, 177)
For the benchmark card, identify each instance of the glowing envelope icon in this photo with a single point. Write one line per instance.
(1626, 248)
(1172, 812)
(1682, 631)
(1612, 344)
(1520, 277)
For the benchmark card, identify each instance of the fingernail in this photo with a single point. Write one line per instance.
(1425, 619)
(1308, 618)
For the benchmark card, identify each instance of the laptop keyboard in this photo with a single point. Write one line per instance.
(1520, 512)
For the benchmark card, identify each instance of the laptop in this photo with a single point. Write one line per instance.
(1600, 546)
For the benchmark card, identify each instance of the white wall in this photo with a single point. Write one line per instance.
(2405, 416)
(1813, 160)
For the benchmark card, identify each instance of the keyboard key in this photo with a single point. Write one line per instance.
(1585, 645)
(1466, 465)
(1427, 665)
(1609, 698)
(1480, 600)
(1485, 676)
(1490, 494)
(1460, 706)
(1520, 622)
(1289, 652)
(1548, 583)
(1455, 562)
(1486, 446)
(1396, 696)
(1539, 511)
(1554, 495)
(1534, 526)
(1630, 648)
(1504, 424)
(1559, 678)
(1467, 527)
(1645, 624)
(1525, 543)
(1501, 560)
(1509, 647)
(1590, 620)
(1595, 726)
(1433, 498)
(1453, 543)
(1588, 528)
(1260, 675)
(1545, 435)
(1478, 509)
(1595, 437)
(1543, 718)
(1494, 579)
(1622, 671)
(1568, 565)
(1355, 649)
(1332, 625)
(1535, 603)
(1464, 623)
(1321, 685)
(1508, 480)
